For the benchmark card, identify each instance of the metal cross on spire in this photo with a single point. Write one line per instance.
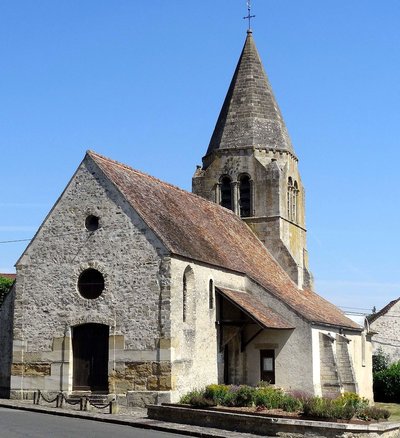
(249, 16)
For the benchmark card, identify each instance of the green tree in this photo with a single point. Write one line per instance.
(5, 286)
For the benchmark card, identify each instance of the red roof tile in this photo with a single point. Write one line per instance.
(256, 310)
(10, 276)
(191, 227)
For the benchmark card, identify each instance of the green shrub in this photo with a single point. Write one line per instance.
(291, 404)
(387, 384)
(187, 398)
(327, 408)
(244, 396)
(217, 393)
(269, 397)
(354, 400)
(373, 413)
(380, 361)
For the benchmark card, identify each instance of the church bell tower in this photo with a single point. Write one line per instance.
(251, 168)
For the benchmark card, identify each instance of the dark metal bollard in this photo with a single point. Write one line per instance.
(81, 403)
(61, 395)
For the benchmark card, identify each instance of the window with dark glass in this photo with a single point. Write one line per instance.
(211, 295)
(245, 196)
(92, 223)
(91, 283)
(226, 193)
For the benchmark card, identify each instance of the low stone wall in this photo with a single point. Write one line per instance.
(261, 425)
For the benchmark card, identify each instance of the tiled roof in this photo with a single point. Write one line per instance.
(191, 227)
(383, 311)
(250, 116)
(10, 276)
(256, 310)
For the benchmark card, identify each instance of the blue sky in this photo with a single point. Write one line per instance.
(143, 83)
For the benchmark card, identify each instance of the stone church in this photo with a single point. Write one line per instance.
(134, 287)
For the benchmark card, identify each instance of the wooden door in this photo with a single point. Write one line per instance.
(267, 366)
(90, 353)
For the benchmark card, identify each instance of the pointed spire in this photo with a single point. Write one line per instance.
(250, 116)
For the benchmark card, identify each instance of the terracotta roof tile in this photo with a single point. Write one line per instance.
(383, 311)
(10, 276)
(194, 228)
(254, 308)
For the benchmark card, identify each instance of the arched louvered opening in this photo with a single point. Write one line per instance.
(226, 192)
(292, 195)
(245, 196)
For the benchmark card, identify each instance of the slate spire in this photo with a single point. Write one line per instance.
(250, 116)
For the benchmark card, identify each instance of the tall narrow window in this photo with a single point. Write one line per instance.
(211, 295)
(184, 298)
(226, 193)
(294, 202)
(245, 196)
(292, 195)
(188, 302)
(289, 198)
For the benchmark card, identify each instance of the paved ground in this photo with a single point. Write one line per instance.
(125, 420)
(21, 424)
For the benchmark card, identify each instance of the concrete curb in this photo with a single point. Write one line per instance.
(142, 423)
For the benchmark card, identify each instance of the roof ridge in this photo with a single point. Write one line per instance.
(383, 311)
(158, 180)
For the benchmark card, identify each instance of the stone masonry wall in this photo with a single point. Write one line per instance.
(387, 338)
(134, 303)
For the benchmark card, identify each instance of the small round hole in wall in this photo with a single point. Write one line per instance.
(91, 283)
(92, 223)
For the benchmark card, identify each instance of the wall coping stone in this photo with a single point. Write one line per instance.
(212, 417)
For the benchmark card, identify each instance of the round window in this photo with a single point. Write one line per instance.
(91, 283)
(92, 223)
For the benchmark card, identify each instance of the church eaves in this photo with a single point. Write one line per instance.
(250, 116)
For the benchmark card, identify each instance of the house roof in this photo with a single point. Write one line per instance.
(383, 311)
(256, 310)
(10, 276)
(194, 228)
(250, 116)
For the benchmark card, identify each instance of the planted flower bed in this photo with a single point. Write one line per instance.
(267, 399)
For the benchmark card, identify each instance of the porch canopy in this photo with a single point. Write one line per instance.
(261, 314)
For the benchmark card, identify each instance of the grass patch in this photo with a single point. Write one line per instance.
(393, 408)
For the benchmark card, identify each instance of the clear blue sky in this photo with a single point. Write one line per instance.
(143, 83)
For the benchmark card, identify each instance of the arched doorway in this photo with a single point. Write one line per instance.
(90, 357)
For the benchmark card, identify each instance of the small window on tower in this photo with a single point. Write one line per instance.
(226, 193)
(245, 196)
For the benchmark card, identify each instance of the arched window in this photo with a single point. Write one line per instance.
(245, 196)
(289, 198)
(294, 202)
(184, 298)
(187, 294)
(292, 194)
(211, 294)
(226, 192)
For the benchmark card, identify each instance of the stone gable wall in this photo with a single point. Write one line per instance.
(135, 266)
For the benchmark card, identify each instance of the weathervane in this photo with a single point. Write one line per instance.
(249, 16)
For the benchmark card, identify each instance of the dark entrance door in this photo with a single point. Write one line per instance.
(90, 352)
(267, 366)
